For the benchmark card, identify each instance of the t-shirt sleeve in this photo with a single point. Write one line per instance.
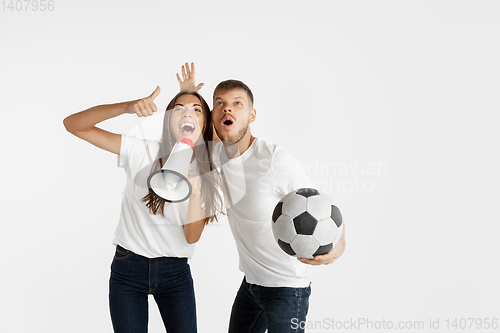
(136, 153)
(287, 173)
(216, 156)
(122, 157)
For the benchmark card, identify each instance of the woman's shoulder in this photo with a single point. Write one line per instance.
(132, 143)
(137, 151)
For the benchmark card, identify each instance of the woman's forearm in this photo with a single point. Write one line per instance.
(195, 220)
(87, 119)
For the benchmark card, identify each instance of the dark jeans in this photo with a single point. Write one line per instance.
(134, 277)
(277, 309)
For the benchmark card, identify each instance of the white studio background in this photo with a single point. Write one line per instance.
(389, 105)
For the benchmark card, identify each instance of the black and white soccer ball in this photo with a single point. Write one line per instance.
(306, 224)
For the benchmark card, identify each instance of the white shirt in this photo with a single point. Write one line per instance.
(256, 181)
(138, 230)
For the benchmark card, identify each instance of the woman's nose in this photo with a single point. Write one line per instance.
(188, 112)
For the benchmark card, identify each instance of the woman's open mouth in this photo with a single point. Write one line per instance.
(187, 129)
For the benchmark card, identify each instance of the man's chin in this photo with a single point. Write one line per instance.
(225, 138)
(235, 138)
(231, 138)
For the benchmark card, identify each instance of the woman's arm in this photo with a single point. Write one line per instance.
(188, 81)
(82, 124)
(195, 219)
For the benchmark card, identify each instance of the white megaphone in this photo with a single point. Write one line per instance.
(170, 183)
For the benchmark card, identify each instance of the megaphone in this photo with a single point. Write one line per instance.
(170, 183)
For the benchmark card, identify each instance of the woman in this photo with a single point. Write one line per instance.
(152, 245)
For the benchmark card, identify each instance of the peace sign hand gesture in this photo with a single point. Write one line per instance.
(188, 82)
(145, 106)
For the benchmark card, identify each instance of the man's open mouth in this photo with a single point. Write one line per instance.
(228, 121)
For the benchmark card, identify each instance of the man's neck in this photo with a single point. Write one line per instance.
(235, 150)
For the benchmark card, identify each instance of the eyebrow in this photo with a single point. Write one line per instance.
(190, 103)
(234, 98)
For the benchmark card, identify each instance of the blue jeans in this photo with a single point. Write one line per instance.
(277, 309)
(134, 277)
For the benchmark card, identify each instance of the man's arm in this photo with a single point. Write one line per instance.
(284, 181)
(331, 256)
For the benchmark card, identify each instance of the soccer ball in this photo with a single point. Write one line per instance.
(306, 224)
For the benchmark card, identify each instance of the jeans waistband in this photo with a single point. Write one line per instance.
(124, 250)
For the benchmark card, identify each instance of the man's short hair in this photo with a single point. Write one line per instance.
(227, 85)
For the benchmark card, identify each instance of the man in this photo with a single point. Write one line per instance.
(275, 291)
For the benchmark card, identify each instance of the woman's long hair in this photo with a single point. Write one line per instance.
(210, 181)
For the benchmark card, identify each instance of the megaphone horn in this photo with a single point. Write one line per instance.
(170, 183)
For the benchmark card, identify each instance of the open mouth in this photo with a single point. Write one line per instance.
(187, 129)
(228, 121)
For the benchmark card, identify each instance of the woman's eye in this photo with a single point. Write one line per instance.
(197, 110)
(177, 109)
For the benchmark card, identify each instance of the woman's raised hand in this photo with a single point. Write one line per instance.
(145, 106)
(188, 82)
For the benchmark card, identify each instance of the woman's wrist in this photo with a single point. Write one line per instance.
(195, 196)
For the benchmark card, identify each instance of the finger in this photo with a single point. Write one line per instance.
(320, 257)
(326, 258)
(179, 78)
(148, 109)
(184, 73)
(307, 261)
(155, 93)
(192, 69)
(142, 110)
(193, 177)
(153, 106)
(137, 110)
(188, 71)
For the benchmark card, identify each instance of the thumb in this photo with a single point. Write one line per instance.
(198, 87)
(155, 93)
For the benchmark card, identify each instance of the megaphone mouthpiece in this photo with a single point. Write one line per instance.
(187, 141)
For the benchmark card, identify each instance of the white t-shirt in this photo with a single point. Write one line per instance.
(256, 181)
(138, 230)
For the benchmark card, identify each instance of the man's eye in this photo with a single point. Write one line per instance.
(219, 103)
(238, 103)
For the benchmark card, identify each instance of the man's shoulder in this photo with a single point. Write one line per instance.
(265, 142)
(267, 147)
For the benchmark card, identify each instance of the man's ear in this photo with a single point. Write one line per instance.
(253, 115)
